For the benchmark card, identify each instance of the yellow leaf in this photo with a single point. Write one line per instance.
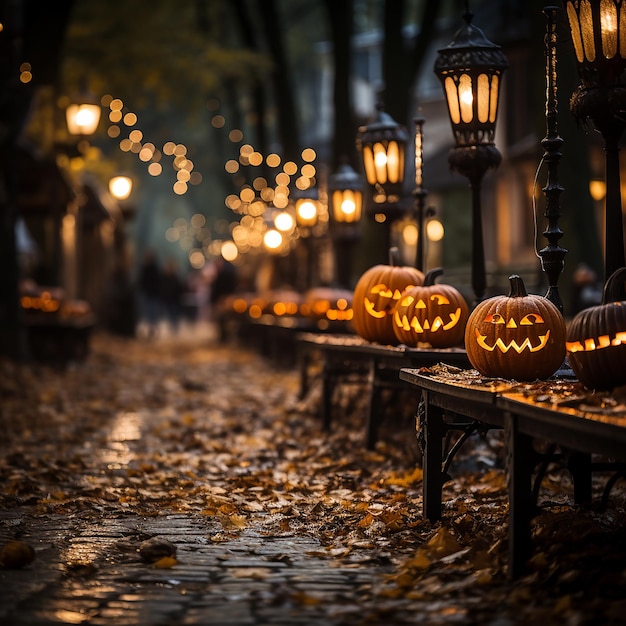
(406, 479)
(420, 560)
(366, 521)
(442, 543)
(165, 563)
(233, 521)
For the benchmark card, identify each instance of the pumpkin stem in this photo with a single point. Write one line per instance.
(614, 286)
(393, 255)
(518, 289)
(432, 276)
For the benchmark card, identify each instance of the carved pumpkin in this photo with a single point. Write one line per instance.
(596, 339)
(375, 296)
(430, 313)
(517, 336)
(328, 303)
(283, 302)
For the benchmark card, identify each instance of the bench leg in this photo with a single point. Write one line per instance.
(521, 504)
(304, 359)
(327, 395)
(579, 465)
(433, 433)
(373, 407)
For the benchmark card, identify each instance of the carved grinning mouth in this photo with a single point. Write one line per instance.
(603, 341)
(503, 347)
(434, 326)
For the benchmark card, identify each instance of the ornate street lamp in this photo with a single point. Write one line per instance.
(470, 70)
(382, 142)
(307, 207)
(598, 29)
(346, 196)
(346, 202)
(552, 255)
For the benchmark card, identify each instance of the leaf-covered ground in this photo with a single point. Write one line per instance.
(191, 428)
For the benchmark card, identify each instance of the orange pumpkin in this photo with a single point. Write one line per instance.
(430, 313)
(375, 296)
(596, 339)
(517, 336)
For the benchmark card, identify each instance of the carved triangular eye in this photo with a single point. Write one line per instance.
(494, 318)
(407, 301)
(531, 319)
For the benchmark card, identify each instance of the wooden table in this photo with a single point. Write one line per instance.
(559, 411)
(350, 359)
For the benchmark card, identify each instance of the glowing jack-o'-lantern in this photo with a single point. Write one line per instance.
(430, 313)
(517, 336)
(596, 339)
(375, 297)
(332, 304)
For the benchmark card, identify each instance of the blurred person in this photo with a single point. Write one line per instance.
(223, 283)
(149, 291)
(172, 290)
(587, 290)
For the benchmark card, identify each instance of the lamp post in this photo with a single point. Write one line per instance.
(419, 192)
(307, 215)
(470, 70)
(346, 202)
(552, 255)
(598, 29)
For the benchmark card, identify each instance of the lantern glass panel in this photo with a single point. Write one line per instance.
(368, 164)
(622, 30)
(576, 33)
(380, 163)
(306, 212)
(586, 29)
(608, 28)
(453, 100)
(466, 98)
(394, 162)
(483, 99)
(347, 206)
(493, 105)
(82, 119)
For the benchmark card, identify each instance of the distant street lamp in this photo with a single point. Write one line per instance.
(307, 216)
(307, 207)
(83, 115)
(346, 196)
(346, 201)
(470, 70)
(598, 29)
(121, 187)
(382, 142)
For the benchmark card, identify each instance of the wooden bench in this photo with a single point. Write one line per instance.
(347, 359)
(551, 411)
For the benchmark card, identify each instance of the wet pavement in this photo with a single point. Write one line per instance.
(86, 485)
(207, 448)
